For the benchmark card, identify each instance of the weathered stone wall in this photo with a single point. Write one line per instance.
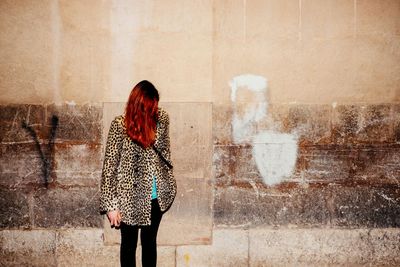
(346, 172)
(340, 206)
(50, 182)
(285, 128)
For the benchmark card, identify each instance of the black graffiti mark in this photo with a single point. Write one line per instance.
(46, 157)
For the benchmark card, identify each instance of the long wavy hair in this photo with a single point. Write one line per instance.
(141, 113)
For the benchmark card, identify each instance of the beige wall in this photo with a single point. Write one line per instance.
(291, 183)
(93, 51)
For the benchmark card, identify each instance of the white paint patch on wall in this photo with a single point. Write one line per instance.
(243, 123)
(251, 82)
(275, 153)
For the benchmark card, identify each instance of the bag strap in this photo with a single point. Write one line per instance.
(162, 157)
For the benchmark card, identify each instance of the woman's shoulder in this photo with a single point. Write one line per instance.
(163, 116)
(118, 121)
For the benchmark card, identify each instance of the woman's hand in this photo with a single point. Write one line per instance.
(114, 217)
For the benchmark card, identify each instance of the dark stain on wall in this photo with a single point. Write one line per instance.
(46, 155)
(50, 167)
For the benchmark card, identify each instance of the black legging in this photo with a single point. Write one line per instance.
(148, 238)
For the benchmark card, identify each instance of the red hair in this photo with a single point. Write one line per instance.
(141, 113)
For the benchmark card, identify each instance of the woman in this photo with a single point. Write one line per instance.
(137, 184)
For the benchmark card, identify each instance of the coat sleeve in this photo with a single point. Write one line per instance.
(166, 142)
(165, 147)
(108, 187)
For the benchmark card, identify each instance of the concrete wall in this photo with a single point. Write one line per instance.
(94, 51)
(285, 128)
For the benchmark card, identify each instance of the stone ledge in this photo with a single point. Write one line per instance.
(332, 205)
(70, 247)
(85, 247)
(229, 248)
(27, 248)
(324, 247)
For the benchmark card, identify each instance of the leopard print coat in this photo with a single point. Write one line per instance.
(128, 170)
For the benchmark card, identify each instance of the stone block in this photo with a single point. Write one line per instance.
(373, 53)
(14, 208)
(27, 248)
(269, 19)
(323, 247)
(236, 164)
(189, 221)
(250, 110)
(396, 122)
(83, 17)
(17, 113)
(229, 57)
(12, 118)
(229, 248)
(85, 40)
(174, 76)
(84, 247)
(315, 163)
(226, 22)
(376, 164)
(21, 165)
(76, 123)
(324, 164)
(67, 207)
(369, 23)
(191, 138)
(311, 123)
(327, 21)
(364, 206)
(366, 164)
(138, 43)
(233, 164)
(165, 256)
(313, 67)
(310, 204)
(192, 18)
(112, 235)
(345, 123)
(110, 111)
(27, 77)
(78, 164)
(222, 124)
(375, 124)
(286, 204)
(83, 69)
(385, 243)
